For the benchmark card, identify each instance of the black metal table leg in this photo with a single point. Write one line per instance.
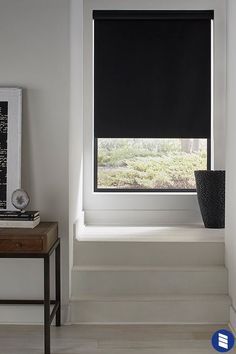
(58, 283)
(47, 304)
(56, 309)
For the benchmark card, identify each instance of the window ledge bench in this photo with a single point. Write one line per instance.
(184, 233)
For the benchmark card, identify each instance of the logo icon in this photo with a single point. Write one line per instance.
(222, 340)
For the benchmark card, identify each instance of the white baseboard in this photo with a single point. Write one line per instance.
(27, 314)
(207, 309)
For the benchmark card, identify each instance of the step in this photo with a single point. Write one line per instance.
(171, 233)
(162, 309)
(165, 253)
(119, 281)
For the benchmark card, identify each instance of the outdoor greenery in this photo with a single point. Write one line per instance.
(150, 163)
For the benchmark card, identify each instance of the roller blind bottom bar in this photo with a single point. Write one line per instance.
(153, 14)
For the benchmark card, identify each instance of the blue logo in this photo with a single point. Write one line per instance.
(222, 340)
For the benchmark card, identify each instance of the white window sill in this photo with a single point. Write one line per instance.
(188, 233)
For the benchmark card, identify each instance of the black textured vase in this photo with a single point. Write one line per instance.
(211, 197)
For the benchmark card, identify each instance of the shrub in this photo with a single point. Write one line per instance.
(136, 166)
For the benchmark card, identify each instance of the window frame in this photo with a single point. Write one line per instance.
(145, 208)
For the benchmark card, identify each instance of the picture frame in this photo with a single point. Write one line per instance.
(10, 144)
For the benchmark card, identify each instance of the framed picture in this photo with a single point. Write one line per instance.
(10, 143)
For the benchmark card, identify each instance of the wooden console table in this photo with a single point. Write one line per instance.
(39, 242)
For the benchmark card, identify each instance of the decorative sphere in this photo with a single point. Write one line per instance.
(20, 199)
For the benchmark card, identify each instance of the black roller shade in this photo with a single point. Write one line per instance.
(152, 74)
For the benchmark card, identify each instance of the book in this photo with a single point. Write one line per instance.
(5, 218)
(9, 214)
(31, 224)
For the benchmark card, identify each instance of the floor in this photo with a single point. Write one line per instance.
(117, 339)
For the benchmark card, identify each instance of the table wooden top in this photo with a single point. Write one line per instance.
(25, 240)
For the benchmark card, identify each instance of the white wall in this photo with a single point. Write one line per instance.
(230, 242)
(149, 208)
(76, 121)
(34, 55)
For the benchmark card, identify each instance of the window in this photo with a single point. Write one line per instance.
(149, 164)
(152, 99)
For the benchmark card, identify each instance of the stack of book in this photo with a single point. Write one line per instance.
(28, 219)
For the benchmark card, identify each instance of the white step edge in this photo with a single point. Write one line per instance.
(119, 268)
(193, 233)
(168, 309)
(163, 297)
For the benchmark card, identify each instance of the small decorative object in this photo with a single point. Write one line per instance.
(211, 197)
(10, 143)
(20, 199)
